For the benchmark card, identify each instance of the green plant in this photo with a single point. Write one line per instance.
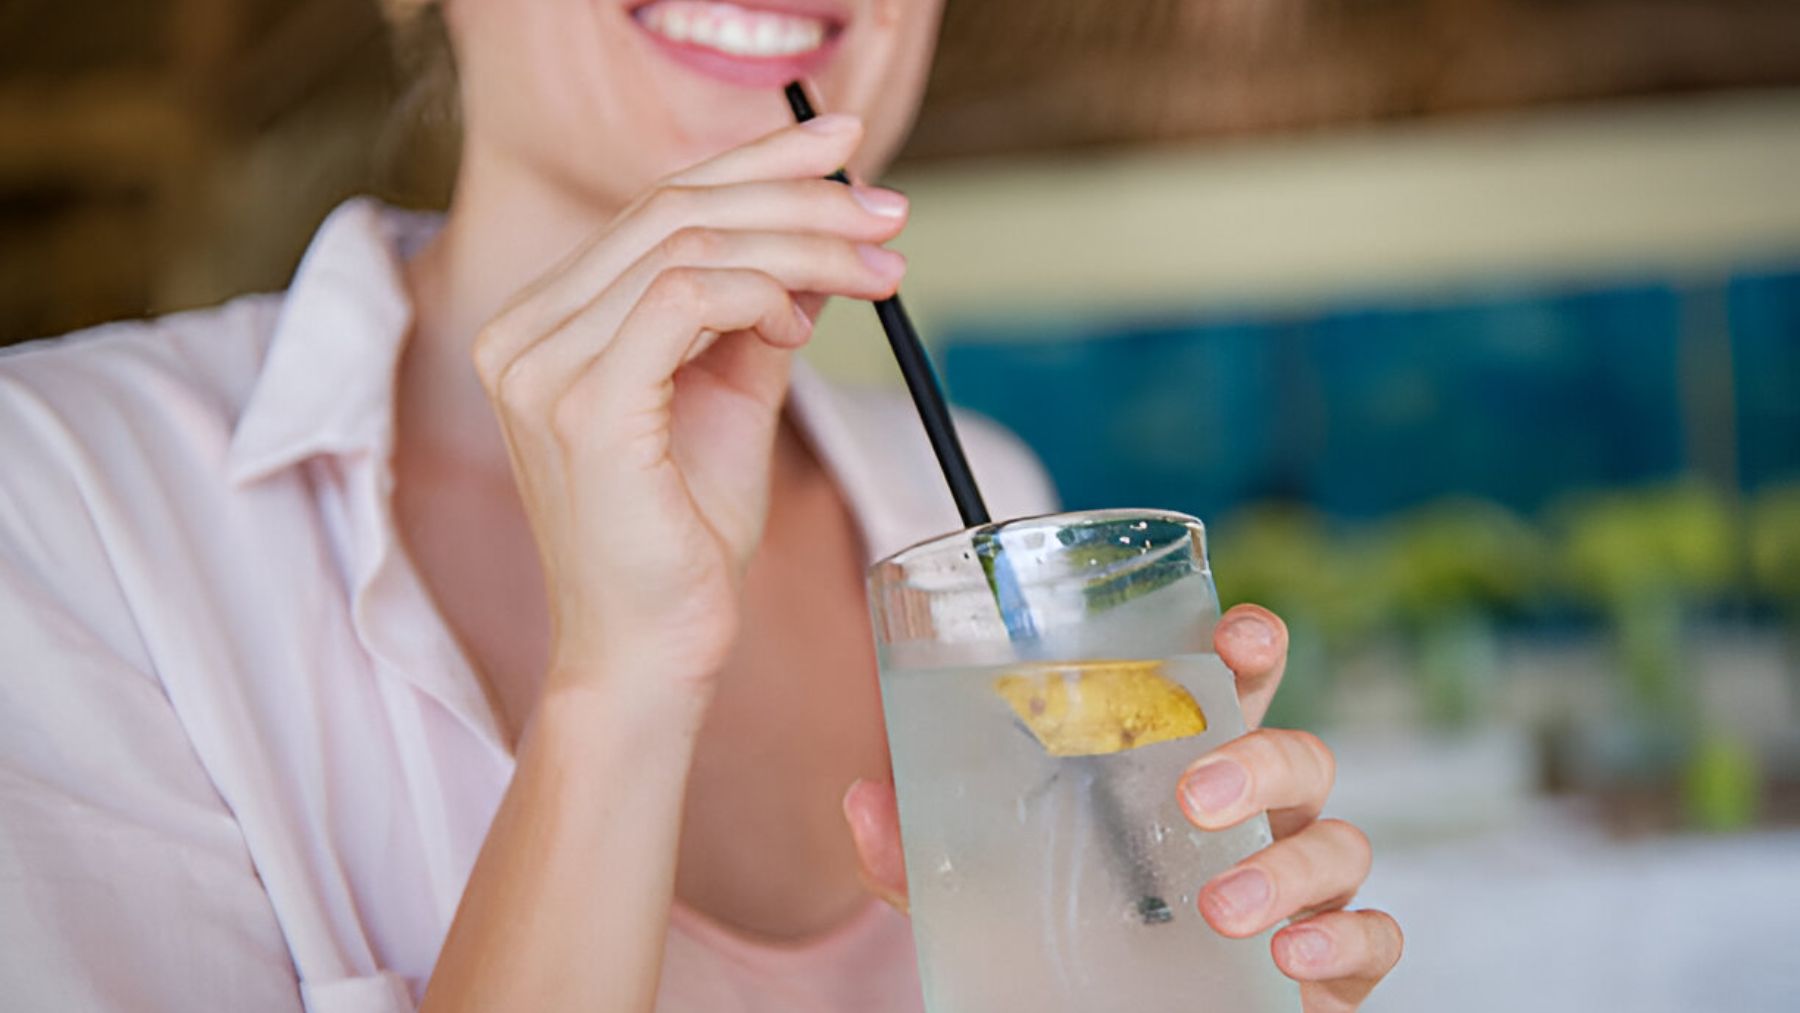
(1774, 537)
(1774, 551)
(1645, 558)
(1720, 785)
(1677, 537)
(1288, 559)
(1449, 566)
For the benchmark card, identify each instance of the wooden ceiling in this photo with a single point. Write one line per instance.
(159, 153)
(1026, 75)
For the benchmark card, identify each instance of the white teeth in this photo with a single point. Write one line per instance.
(733, 37)
(801, 36)
(731, 29)
(767, 36)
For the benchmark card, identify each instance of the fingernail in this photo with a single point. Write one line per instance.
(854, 814)
(1309, 947)
(882, 261)
(1238, 897)
(830, 123)
(1250, 632)
(806, 326)
(1214, 785)
(876, 200)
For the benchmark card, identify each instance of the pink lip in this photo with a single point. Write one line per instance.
(754, 71)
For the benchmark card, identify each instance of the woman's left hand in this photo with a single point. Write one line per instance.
(1309, 874)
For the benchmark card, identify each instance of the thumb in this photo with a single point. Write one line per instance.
(874, 818)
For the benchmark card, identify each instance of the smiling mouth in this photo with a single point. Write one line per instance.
(737, 32)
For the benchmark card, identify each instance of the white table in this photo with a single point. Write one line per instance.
(1549, 916)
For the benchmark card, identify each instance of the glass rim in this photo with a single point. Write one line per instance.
(906, 560)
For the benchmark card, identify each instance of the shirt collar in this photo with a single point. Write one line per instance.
(327, 382)
(826, 423)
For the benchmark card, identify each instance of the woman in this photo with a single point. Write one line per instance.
(342, 674)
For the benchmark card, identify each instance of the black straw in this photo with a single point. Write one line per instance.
(928, 397)
(915, 368)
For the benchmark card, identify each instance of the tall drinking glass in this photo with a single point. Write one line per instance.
(1046, 681)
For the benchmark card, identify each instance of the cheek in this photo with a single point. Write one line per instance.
(559, 90)
(886, 82)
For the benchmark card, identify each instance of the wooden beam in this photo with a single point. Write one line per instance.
(104, 133)
(203, 35)
(1051, 74)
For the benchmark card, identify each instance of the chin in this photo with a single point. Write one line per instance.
(659, 85)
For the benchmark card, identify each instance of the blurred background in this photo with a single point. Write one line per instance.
(1471, 328)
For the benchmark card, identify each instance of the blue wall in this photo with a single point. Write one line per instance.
(1765, 344)
(1517, 395)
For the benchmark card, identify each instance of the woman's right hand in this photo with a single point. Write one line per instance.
(639, 387)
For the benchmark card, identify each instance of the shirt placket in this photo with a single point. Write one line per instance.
(453, 754)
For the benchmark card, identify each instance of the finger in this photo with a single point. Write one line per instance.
(1253, 643)
(801, 153)
(864, 214)
(800, 263)
(1319, 868)
(1339, 956)
(818, 147)
(683, 311)
(1286, 773)
(874, 817)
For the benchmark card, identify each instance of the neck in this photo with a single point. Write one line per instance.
(505, 229)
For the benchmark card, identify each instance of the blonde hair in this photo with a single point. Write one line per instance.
(400, 12)
(419, 144)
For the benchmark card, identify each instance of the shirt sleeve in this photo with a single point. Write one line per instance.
(1012, 478)
(125, 884)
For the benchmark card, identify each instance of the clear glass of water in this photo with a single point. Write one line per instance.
(1045, 682)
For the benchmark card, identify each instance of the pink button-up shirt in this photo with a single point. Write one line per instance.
(244, 765)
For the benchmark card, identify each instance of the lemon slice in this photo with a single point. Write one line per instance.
(1091, 708)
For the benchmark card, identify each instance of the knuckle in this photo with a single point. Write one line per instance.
(677, 286)
(1261, 752)
(691, 243)
(1297, 864)
(1379, 940)
(516, 387)
(772, 292)
(571, 418)
(1317, 752)
(1349, 839)
(671, 201)
(489, 352)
